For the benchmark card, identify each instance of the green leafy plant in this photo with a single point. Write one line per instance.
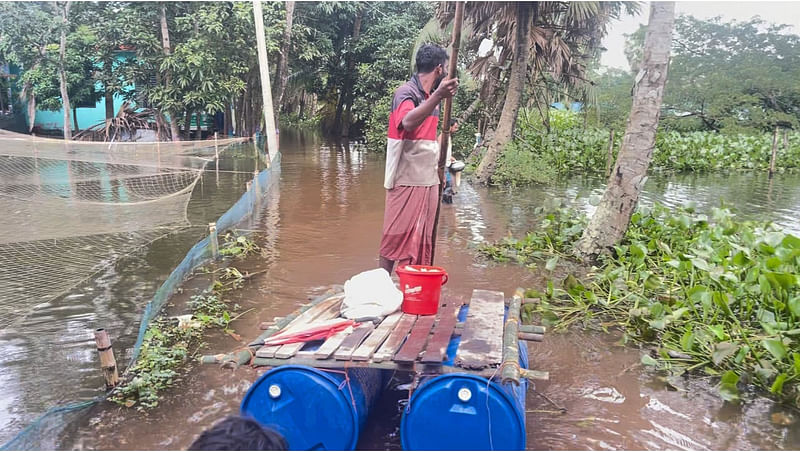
(165, 348)
(710, 294)
(238, 246)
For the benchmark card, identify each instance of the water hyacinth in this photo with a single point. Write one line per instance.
(536, 157)
(710, 294)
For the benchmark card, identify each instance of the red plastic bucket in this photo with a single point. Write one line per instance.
(422, 287)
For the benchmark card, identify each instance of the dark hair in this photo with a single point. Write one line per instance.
(453, 122)
(239, 433)
(429, 56)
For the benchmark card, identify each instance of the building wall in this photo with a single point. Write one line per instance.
(87, 117)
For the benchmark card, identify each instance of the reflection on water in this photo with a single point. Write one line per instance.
(752, 195)
(324, 226)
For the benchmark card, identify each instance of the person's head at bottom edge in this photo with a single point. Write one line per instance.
(239, 433)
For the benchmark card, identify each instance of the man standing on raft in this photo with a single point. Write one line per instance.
(412, 157)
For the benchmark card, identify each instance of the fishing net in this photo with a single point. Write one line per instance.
(73, 210)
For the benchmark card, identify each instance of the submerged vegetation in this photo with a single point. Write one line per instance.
(712, 295)
(172, 341)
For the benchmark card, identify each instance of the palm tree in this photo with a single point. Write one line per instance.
(610, 222)
(537, 38)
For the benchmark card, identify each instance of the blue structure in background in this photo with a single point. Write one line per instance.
(575, 107)
(87, 116)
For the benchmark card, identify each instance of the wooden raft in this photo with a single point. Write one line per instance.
(401, 341)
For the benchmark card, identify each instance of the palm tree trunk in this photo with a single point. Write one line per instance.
(62, 72)
(516, 86)
(610, 222)
(468, 112)
(173, 118)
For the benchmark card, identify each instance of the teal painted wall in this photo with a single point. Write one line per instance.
(87, 117)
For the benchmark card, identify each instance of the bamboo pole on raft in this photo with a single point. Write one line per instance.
(448, 108)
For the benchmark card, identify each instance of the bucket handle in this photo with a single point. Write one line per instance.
(444, 278)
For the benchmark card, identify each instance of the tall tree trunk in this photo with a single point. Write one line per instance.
(62, 72)
(75, 119)
(173, 116)
(187, 125)
(516, 86)
(343, 122)
(199, 134)
(226, 126)
(109, 102)
(283, 64)
(610, 222)
(27, 93)
(302, 106)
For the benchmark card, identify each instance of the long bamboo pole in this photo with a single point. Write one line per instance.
(266, 90)
(448, 108)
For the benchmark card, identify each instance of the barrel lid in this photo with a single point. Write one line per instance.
(451, 412)
(306, 406)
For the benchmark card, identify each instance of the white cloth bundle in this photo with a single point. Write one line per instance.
(370, 294)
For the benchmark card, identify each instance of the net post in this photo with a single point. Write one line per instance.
(213, 239)
(256, 192)
(216, 147)
(107, 361)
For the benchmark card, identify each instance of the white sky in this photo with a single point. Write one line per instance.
(786, 12)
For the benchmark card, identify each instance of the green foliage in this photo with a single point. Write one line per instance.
(735, 77)
(294, 121)
(708, 151)
(165, 348)
(168, 340)
(711, 294)
(610, 107)
(211, 310)
(536, 157)
(238, 246)
(167, 343)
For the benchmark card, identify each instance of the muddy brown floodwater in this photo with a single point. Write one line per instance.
(322, 225)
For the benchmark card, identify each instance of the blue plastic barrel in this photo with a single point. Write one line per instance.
(466, 412)
(314, 409)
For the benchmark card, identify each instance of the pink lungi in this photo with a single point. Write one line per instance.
(408, 224)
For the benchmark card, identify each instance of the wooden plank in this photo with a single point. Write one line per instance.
(288, 350)
(328, 347)
(352, 341)
(410, 351)
(396, 338)
(282, 322)
(301, 322)
(442, 332)
(482, 339)
(365, 351)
